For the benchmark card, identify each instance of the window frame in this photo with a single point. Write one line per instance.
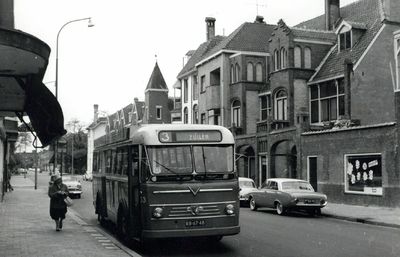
(236, 113)
(281, 111)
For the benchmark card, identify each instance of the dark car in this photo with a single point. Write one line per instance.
(286, 195)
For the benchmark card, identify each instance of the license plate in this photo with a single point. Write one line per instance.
(193, 223)
(309, 201)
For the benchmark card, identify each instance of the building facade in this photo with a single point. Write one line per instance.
(317, 101)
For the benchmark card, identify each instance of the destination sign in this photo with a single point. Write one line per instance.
(189, 136)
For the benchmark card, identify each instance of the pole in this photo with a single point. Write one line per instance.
(56, 83)
(36, 159)
(72, 154)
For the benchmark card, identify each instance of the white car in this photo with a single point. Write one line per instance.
(73, 184)
(246, 186)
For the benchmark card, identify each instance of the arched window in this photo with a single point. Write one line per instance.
(195, 114)
(185, 116)
(237, 73)
(250, 75)
(232, 74)
(235, 110)
(283, 58)
(307, 58)
(281, 105)
(297, 57)
(259, 72)
(276, 60)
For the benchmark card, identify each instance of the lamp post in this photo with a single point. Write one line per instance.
(90, 24)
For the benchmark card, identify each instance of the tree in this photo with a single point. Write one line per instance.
(24, 138)
(76, 146)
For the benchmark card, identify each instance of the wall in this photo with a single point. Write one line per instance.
(371, 84)
(330, 147)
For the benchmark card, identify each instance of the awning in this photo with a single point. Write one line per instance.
(23, 63)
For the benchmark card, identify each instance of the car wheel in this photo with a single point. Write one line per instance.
(253, 204)
(280, 209)
(79, 196)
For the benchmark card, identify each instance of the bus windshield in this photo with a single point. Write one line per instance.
(169, 160)
(178, 160)
(213, 159)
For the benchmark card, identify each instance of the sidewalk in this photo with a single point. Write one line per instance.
(26, 228)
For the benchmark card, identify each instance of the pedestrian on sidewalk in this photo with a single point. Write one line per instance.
(57, 193)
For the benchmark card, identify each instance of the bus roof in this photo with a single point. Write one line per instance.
(180, 133)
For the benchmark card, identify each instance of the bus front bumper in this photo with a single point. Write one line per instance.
(226, 231)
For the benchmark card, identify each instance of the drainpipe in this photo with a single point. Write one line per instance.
(348, 70)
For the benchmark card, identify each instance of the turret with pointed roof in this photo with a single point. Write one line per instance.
(157, 110)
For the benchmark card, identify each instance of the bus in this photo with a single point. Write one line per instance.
(167, 181)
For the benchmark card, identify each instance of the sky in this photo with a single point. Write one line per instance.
(111, 63)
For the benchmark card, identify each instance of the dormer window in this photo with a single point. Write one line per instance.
(349, 33)
(345, 40)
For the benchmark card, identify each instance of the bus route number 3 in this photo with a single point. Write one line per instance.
(165, 137)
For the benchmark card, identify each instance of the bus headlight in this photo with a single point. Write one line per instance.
(158, 212)
(230, 209)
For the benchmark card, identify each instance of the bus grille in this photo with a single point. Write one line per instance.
(195, 210)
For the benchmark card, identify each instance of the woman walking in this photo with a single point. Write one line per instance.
(57, 193)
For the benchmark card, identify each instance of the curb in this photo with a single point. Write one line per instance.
(364, 221)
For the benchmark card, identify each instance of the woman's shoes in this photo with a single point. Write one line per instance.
(57, 229)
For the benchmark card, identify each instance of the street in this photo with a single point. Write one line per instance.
(264, 233)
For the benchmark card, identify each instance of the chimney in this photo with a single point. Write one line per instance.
(210, 23)
(96, 112)
(392, 10)
(332, 13)
(259, 19)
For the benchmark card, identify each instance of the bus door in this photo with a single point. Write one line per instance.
(134, 190)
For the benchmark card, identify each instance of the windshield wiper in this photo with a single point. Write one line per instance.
(165, 167)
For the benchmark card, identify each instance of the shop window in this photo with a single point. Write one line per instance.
(363, 174)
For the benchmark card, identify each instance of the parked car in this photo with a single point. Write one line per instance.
(286, 195)
(87, 176)
(73, 184)
(246, 186)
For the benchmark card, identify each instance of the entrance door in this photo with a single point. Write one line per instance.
(312, 172)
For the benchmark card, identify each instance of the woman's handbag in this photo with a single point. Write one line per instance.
(68, 201)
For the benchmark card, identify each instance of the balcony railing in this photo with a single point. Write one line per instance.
(271, 125)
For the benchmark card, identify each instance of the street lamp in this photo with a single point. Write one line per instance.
(90, 24)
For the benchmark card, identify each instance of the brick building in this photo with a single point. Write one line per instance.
(317, 101)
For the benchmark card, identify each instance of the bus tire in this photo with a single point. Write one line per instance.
(123, 226)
